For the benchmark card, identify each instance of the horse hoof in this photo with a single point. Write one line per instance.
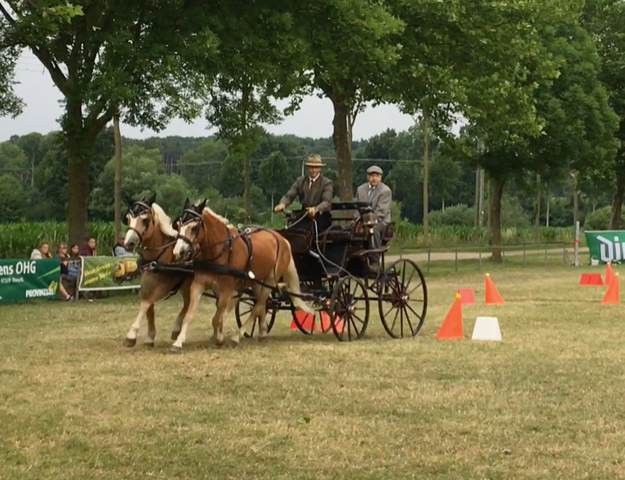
(174, 335)
(130, 342)
(149, 344)
(177, 350)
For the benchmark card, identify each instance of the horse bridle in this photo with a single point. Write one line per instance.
(195, 216)
(146, 209)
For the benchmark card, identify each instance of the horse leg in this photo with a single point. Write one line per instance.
(222, 303)
(177, 326)
(195, 295)
(258, 312)
(131, 336)
(149, 339)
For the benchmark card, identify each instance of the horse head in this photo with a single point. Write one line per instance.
(138, 218)
(190, 227)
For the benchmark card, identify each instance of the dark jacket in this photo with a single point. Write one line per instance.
(319, 195)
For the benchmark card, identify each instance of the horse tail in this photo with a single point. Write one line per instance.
(291, 278)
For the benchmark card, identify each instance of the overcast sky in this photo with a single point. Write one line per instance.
(313, 119)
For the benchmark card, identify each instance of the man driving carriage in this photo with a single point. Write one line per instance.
(379, 195)
(315, 194)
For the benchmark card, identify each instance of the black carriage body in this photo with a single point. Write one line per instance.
(334, 274)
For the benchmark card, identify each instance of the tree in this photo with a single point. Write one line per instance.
(14, 162)
(13, 199)
(102, 55)
(604, 20)
(273, 175)
(579, 126)
(267, 65)
(351, 54)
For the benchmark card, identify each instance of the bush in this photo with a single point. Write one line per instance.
(600, 219)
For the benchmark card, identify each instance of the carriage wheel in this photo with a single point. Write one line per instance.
(403, 299)
(244, 308)
(309, 323)
(349, 309)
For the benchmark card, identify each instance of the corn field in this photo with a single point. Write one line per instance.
(17, 240)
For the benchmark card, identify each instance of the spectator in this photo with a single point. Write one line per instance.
(119, 250)
(42, 251)
(71, 277)
(88, 249)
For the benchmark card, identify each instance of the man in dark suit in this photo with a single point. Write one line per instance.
(379, 195)
(315, 194)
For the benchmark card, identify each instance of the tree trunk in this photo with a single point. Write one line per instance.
(617, 205)
(548, 200)
(495, 217)
(247, 184)
(426, 145)
(537, 217)
(78, 195)
(477, 197)
(118, 176)
(340, 137)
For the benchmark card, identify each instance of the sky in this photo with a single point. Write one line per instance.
(313, 119)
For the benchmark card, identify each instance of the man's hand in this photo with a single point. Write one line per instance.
(279, 207)
(312, 211)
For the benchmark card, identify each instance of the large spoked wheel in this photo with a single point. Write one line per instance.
(244, 308)
(349, 309)
(403, 299)
(309, 323)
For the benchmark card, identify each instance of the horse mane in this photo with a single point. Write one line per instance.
(223, 220)
(163, 221)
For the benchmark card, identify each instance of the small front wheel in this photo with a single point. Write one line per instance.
(244, 308)
(349, 309)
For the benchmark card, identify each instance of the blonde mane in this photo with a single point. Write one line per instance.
(163, 221)
(223, 220)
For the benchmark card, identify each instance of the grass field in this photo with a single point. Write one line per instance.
(544, 403)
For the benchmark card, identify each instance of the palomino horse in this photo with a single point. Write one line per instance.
(149, 226)
(264, 254)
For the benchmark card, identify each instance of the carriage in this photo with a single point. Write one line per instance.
(337, 279)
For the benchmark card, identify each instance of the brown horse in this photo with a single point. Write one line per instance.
(149, 226)
(264, 254)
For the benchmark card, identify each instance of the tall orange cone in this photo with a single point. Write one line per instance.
(452, 324)
(491, 294)
(609, 273)
(612, 293)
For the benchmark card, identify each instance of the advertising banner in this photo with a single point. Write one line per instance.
(109, 273)
(29, 279)
(606, 245)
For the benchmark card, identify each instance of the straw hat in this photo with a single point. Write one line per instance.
(314, 161)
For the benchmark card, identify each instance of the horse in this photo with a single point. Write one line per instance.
(149, 226)
(262, 253)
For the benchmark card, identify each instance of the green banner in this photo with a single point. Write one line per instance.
(606, 245)
(109, 273)
(29, 279)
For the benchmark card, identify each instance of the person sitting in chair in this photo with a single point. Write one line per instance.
(315, 194)
(379, 195)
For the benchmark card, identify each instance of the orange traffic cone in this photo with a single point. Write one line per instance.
(612, 293)
(609, 273)
(452, 324)
(491, 294)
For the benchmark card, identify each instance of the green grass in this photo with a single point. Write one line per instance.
(542, 404)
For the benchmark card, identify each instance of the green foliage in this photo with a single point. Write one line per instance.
(13, 199)
(600, 219)
(142, 174)
(512, 215)
(18, 239)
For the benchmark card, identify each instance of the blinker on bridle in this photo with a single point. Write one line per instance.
(194, 216)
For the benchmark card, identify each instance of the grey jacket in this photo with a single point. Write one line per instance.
(319, 196)
(379, 198)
